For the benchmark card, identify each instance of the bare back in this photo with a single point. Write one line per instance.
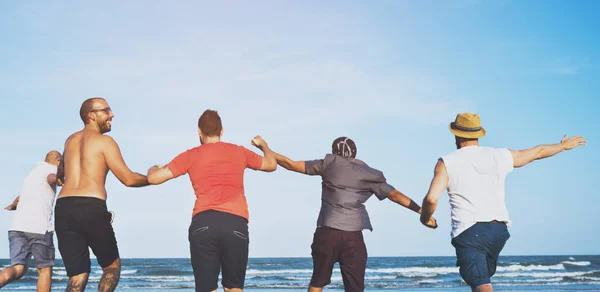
(85, 165)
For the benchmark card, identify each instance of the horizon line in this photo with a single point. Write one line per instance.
(370, 257)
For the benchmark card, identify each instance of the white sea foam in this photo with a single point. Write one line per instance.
(416, 271)
(545, 284)
(539, 280)
(581, 264)
(409, 272)
(278, 272)
(544, 275)
(422, 271)
(514, 268)
(429, 281)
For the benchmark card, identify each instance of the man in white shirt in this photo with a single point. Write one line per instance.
(31, 232)
(474, 177)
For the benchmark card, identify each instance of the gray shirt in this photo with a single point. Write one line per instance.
(347, 184)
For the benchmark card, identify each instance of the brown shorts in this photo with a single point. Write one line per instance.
(346, 247)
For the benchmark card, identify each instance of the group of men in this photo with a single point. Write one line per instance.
(473, 175)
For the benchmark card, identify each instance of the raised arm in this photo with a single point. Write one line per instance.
(116, 164)
(438, 184)
(269, 163)
(13, 206)
(524, 157)
(285, 162)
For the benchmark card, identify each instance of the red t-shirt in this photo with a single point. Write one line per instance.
(216, 171)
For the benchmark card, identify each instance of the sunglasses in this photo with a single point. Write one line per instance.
(107, 110)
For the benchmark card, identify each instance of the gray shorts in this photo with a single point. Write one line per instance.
(24, 244)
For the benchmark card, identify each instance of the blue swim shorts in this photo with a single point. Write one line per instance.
(477, 251)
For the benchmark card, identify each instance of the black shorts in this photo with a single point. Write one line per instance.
(218, 240)
(346, 247)
(82, 222)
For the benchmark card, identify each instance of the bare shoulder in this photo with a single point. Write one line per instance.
(72, 142)
(440, 163)
(440, 166)
(107, 143)
(72, 137)
(106, 138)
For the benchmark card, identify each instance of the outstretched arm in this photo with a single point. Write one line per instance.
(524, 157)
(159, 174)
(399, 198)
(116, 164)
(438, 184)
(269, 163)
(285, 162)
(13, 206)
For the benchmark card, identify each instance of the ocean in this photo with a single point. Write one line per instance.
(515, 273)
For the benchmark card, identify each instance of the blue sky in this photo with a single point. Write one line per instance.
(391, 75)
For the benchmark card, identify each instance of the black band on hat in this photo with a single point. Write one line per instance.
(465, 129)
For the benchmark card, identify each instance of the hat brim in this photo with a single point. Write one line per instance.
(465, 134)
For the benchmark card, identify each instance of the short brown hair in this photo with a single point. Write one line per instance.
(86, 107)
(209, 123)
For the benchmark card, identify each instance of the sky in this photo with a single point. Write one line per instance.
(390, 75)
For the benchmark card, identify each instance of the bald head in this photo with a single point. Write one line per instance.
(86, 107)
(53, 157)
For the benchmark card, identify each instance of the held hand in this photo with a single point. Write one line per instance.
(432, 223)
(572, 142)
(59, 182)
(259, 142)
(153, 169)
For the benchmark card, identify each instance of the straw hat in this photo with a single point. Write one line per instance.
(467, 125)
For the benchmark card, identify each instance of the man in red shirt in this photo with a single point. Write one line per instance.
(218, 233)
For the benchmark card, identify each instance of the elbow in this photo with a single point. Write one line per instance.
(430, 201)
(130, 182)
(540, 153)
(393, 197)
(270, 165)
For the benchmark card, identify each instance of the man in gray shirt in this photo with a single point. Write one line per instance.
(347, 184)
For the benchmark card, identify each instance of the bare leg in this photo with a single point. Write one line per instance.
(484, 288)
(110, 277)
(77, 283)
(44, 282)
(233, 290)
(314, 289)
(10, 274)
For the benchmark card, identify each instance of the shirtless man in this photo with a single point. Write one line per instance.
(81, 217)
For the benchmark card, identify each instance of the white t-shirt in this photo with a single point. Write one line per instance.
(34, 211)
(476, 177)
